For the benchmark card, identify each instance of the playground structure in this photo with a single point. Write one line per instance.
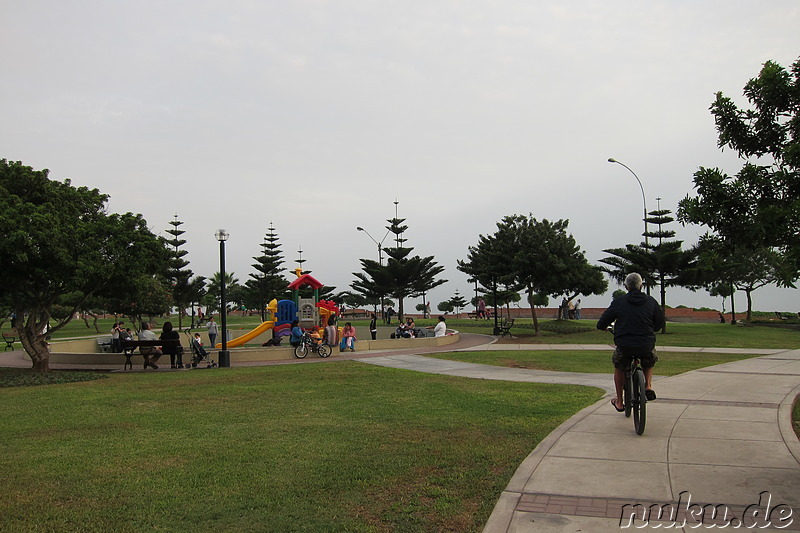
(313, 313)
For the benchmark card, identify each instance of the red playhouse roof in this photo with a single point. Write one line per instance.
(305, 279)
(329, 305)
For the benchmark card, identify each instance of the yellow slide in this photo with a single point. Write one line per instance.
(238, 341)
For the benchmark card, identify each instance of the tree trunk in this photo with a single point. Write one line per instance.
(663, 303)
(536, 329)
(400, 310)
(748, 293)
(733, 308)
(35, 345)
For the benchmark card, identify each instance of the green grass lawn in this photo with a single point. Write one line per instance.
(796, 418)
(678, 334)
(323, 447)
(598, 362)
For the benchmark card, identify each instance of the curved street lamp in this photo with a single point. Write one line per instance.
(644, 201)
(380, 258)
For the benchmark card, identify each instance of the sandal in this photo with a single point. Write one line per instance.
(614, 404)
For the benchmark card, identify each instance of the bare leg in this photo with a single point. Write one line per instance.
(648, 378)
(619, 383)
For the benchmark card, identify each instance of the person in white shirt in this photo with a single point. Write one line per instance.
(440, 329)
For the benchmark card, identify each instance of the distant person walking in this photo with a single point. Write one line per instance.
(373, 327)
(212, 331)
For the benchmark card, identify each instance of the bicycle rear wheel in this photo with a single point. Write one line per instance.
(324, 350)
(639, 402)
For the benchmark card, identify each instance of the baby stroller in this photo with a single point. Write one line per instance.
(199, 353)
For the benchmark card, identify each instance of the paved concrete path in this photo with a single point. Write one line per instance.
(720, 435)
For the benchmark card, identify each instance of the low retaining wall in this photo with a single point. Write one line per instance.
(85, 352)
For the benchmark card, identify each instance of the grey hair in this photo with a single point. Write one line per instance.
(633, 282)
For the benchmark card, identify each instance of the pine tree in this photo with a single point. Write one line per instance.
(185, 290)
(458, 302)
(267, 283)
(402, 276)
(662, 260)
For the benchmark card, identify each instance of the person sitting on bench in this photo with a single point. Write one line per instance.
(150, 354)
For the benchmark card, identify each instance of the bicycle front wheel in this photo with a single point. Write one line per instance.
(324, 350)
(301, 351)
(639, 402)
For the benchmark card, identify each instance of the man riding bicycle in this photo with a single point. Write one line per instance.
(638, 316)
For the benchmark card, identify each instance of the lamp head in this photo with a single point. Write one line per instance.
(359, 228)
(612, 160)
(221, 235)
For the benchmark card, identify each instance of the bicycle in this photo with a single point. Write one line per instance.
(312, 344)
(634, 396)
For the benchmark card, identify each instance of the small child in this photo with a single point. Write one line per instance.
(198, 346)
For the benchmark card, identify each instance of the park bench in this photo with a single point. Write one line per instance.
(104, 343)
(129, 345)
(505, 327)
(10, 339)
(780, 316)
(473, 314)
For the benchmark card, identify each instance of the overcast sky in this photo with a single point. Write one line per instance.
(317, 116)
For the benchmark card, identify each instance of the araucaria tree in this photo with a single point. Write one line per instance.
(59, 240)
(267, 282)
(401, 276)
(756, 212)
(661, 260)
(185, 290)
(537, 257)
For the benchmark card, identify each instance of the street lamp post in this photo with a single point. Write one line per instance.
(644, 201)
(644, 204)
(224, 354)
(379, 244)
(380, 257)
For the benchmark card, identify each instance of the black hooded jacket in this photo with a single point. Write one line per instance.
(638, 316)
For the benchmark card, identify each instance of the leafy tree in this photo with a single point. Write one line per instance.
(145, 296)
(744, 268)
(445, 307)
(537, 257)
(213, 296)
(758, 208)
(402, 276)
(58, 239)
(541, 300)
(723, 289)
